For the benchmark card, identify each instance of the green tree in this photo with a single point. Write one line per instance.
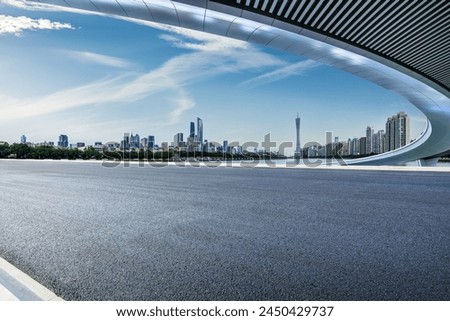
(5, 150)
(20, 150)
(90, 153)
(73, 154)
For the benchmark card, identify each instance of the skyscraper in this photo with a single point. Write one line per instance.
(390, 134)
(192, 130)
(63, 141)
(151, 142)
(125, 143)
(402, 130)
(363, 146)
(144, 142)
(225, 146)
(135, 141)
(178, 140)
(23, 139)
(379, 142)
(369, 140)
(200, 130)
(397, 131)
(297, 144)
(354, 147)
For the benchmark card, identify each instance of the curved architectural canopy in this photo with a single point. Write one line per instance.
(403, 46)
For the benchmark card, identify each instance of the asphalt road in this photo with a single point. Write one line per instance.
(93, 233)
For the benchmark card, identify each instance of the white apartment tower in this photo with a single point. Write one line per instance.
(397, 131)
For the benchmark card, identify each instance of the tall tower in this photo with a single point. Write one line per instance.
(397, 131)
(402, 130)
(192, 130)
(200, 131)
(297, 153)
(369, 140)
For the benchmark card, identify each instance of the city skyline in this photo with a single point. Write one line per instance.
(395, 135)
(84, 80)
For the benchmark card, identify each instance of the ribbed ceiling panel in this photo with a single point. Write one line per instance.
(412, 33)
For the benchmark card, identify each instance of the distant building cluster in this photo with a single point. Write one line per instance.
(395, 135)
(194, 142)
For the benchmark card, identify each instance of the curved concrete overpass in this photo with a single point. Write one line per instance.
(403, 46)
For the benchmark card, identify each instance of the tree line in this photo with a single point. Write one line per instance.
(24, 151)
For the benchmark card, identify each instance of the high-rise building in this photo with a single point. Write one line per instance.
(151, 142)
(297, 143)
(348, 150)
(362, 146)
(63, 141)
(125, 144)
(144, 142)
(397, 131)
(206, 146)
(402, 137)
(369, 140)
(200, 130)
(135, 141)
(225, 146)
(390, 134)
(23, 139)
(379, 142)
(192, 130)
(178, 140)
(354, 147)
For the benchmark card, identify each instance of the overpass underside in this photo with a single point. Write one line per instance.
(403, 46)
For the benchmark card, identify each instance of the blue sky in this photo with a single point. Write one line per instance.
(95, 77)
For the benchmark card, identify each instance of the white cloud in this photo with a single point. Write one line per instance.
(91, 57)
(210, 56)
(183, 103)
(298, 68)
(207, 60)
(203, 41)
(174, 74)
(37, 6)
(15, 3)
(16, 25)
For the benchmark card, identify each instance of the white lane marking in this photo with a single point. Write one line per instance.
(42, 292)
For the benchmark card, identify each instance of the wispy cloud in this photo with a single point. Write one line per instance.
(182, 103)
(210, 58)
(174, 74)
(95, 58)
(17, 3)
(38, 6)
(16, 25)
(295, 69)
(196, 40)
